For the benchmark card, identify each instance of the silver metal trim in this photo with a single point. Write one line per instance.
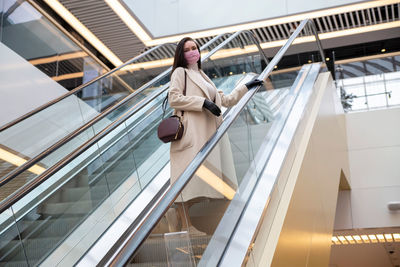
(216, 246)
(237, 248)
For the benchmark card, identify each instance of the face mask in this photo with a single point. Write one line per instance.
(192, 56)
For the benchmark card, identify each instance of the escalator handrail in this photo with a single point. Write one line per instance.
(26, 165)
(29, 186)
(135, 239)
(79, 88)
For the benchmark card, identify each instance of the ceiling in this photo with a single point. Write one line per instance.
(103, 22)
(380, 254)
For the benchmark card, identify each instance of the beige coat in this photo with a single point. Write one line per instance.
(199, 125)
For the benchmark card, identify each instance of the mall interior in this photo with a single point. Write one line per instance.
(303, 170)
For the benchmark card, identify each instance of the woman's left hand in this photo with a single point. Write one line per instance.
(253, 83)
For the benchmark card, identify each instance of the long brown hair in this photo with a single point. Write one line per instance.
(179, 59)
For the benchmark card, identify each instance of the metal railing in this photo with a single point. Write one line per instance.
(29, 186)
(79, 88)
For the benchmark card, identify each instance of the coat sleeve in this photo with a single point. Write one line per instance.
(176, 98)
(234, 97)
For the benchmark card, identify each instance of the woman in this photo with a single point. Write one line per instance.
(199, 109)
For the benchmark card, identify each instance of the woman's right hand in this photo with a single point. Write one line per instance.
(214, 109)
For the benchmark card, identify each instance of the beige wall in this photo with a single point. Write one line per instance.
(374, 154)
(303, 227)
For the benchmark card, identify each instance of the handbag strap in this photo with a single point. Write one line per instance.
(165, 101)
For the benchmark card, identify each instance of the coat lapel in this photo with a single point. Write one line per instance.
(198, 82)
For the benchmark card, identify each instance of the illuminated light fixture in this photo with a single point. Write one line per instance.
(309, 61)
(327, 59)
(342, 239)
(275, 67)
(389, 237)
(373, 238)
(58, 58)
(18, 161)
(148, 65)
(275, 21)
(350, 239)
(396, 237)
(383, 50)
(68, 76)
(215, 182)
(224, 53)
(358, 239)
(230, 73)
(335, 240)
(365, 238)
(380, 237)
(130, 21)
(85, 32)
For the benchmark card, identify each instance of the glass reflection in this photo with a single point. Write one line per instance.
(29, 34)
(369, 84)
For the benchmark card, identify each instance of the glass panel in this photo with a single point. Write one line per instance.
(54, 209)
(377, 101)
(373, 91)
(392, 86)
(36, 39)
(11, 249)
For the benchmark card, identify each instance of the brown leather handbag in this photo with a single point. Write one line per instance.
(171, 128)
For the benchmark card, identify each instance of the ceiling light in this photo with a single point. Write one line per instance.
(358, 239)
(372, 238)
(365, 238)
(380, 237)
(57, 58)
(68, 76)
(327, 59)
(389, 237)
(335, 240)
(342, 239)
(129, 20)
(350, 239)
(396, 237)
(18, 161)
(309, 61)
(215, 182)
(383, 50)
(85, 32)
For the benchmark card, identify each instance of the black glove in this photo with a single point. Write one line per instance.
(214, 109)
(253, 83)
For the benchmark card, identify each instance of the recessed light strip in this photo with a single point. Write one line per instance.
(223, 53)
(18, 161)
(365, 239)
(85, 32)
(275, 21)
(50, 59)
(129, 20)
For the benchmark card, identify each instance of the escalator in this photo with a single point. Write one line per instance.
(96, 177)
(38, 140)
(77, 210)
